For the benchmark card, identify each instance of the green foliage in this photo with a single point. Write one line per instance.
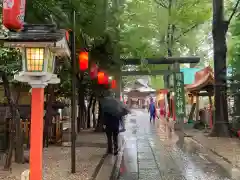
(234, 45)
(92, 31)
(10, 61)
(144, 28)
(136, 28)
(157, 82)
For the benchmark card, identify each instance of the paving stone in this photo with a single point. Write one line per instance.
(149, 174)
(144, 155)
(172, 176)
(131, 167)
(129, 176)
(130, 154)
(144, 149)
(147, 164)
(159, 158)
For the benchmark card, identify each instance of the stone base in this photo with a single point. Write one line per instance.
(25, 175)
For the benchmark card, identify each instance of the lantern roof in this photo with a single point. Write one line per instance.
(34, 35)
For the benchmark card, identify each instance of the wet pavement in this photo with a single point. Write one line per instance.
(152, 154)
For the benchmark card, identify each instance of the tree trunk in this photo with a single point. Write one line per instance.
(14, 124)
(48, 115)
(19, 150)
(89, 112)
(79, 118)
(17, 96)
(219, 30)
(99, 127)
(93, 112)
(84, 115)
(80, 123)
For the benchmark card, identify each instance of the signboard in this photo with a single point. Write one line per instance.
(179, 94)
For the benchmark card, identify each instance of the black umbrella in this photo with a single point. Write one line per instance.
(113, 106)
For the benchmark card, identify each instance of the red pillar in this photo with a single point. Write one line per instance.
(173, 109)
(36, 137)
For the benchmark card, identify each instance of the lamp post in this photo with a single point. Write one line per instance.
(39, 53)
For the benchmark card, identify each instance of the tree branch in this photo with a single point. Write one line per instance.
(160, 3)
(186, 31)
(234, 11)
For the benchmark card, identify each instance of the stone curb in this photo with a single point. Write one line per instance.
(98, 167)
(116, 167)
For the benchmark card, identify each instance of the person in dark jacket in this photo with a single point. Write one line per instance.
(112, 130)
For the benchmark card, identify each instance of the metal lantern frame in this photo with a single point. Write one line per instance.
(46, 74)
(52, 50)
(32, 37)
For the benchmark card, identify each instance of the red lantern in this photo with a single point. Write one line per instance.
(13, 14)
(101, 77)
(106, 79)
(93, 71)
(113, 84)
(67, 36)
(83, 61)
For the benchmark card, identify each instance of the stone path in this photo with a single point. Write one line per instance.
(152, 154)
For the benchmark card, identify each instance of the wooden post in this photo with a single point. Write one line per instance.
(210, 111)
(197, 107)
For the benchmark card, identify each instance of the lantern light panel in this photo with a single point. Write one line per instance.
(35, 59)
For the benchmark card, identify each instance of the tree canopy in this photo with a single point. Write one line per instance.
(146, 27)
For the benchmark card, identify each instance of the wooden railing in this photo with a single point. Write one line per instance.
(55, 134)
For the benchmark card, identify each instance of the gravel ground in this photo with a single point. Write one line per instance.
(57, 165)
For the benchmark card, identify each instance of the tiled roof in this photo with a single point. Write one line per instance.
(30, 33)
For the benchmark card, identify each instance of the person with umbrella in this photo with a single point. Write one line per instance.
(113, 110)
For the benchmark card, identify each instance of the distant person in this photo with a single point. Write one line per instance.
(152, 110)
